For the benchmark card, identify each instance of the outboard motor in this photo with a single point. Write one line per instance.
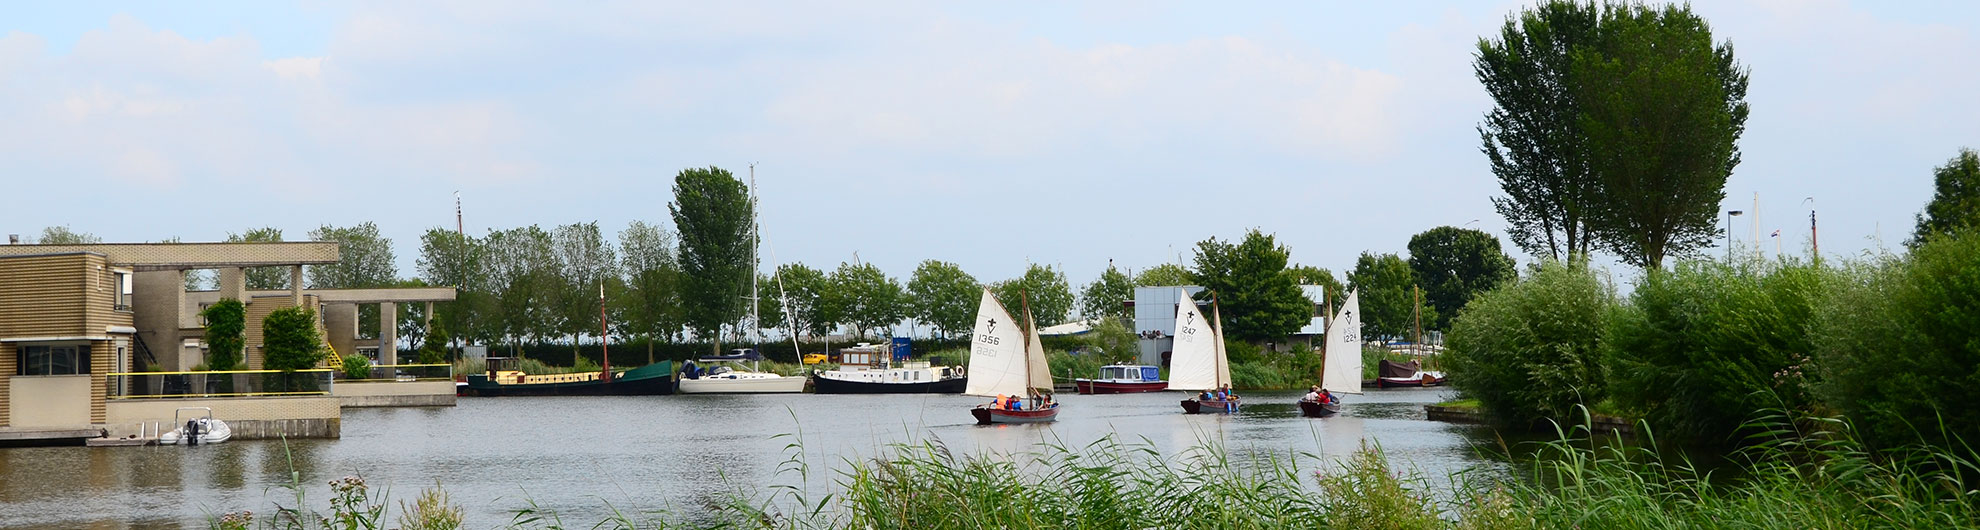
(192, 432)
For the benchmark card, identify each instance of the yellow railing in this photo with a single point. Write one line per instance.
(232, 383)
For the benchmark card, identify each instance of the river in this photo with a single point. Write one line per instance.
(576, 455)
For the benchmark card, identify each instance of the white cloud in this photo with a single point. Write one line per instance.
(296, 67)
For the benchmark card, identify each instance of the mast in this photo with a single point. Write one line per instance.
(604, 340)
(1217, 334)
(1024, 297)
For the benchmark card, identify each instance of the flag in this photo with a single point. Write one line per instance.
(1777, 233)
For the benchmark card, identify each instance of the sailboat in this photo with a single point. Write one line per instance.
(727, 375)
(1008, 360)
(1197, 361)
(1340, 370)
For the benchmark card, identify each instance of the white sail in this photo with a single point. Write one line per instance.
(1034, 351)
(1343, 371)
(1223, 359)
(996, 352)
(1193, 358)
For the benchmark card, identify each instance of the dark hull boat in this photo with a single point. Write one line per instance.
(1315, 409)
(827, 385)
(650, 380)
(986, 415)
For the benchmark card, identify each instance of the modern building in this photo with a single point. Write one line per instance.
(94, 338)
(1155, 319)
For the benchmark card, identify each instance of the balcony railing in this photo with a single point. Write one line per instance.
(236, 383)
(405, 372)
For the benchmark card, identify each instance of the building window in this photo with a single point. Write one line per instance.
(57, 359)
(123, 290)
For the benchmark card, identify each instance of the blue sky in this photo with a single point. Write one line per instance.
(988, 134)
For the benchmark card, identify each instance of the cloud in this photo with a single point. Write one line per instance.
(296, 67)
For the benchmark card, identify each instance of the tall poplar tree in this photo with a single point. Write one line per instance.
(713, 212)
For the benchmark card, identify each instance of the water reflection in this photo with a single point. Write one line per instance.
(679, 453)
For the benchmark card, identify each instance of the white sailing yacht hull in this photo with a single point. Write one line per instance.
(752, 385)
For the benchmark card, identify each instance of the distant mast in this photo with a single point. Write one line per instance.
(459, 227)
(604, 337)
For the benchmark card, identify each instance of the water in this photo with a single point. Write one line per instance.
(577, 454)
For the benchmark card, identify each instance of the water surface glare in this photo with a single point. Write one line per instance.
(577, 454)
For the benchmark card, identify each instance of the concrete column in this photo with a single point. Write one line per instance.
(157, 297)
(295, 285)
(233, 283)
(388, 333)
(340, 322)
(426, 323)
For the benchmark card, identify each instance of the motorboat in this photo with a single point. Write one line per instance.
(1123, 379)
(196, 429)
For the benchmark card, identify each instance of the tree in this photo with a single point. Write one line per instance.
(769, 306)
(61, 235)
(1259, 301)
(1106, 296)
(226, 333)
(651, 305)
(449, 258)
(1532, 349)
(1310, 275)
(364, 260)
(290, 341)
(523, 283)
(1042, 286)
(1662, 109)
(944, 296)
(1164, 275)
(585, 262)
(867, 298)
(263, 278)
(1955, 202)
(1530, 135)
(1387, 303)
(1453, 265)
(1613, 126)
(714, 215)
(806, 293)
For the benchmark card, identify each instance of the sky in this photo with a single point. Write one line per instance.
(989, 134)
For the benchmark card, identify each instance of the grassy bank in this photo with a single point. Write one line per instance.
(1807, 473)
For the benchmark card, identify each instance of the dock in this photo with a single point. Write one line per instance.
(132, 441)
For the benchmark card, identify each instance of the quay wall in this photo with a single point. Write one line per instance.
(251, 418)
(394, 393)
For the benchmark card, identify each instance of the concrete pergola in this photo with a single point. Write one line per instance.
(340, 313)
(158, 279)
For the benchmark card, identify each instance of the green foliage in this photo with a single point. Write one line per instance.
(1388, 303)
(1258, 299)
(1529, 135)
(1043, 288)
(433, 510)
(1614, 125)
(1453, 265)
(1112, 337)
(263, 278)
(1700, 347)
(226, 333)
(1662, 110)
(585, 265)
(1164, 275)
(1531, 350)
(714, 215)
(61, 235)
(522, 284)
(866, 298)
(944, 296)
(356, 367)
(1310, 275)
(1366, 494)
(1955, 204)
(805, 291)
(1105, 297)
(1065, 366)
(290, 341)
(650, 306)
(1898, 345)
(364, 260)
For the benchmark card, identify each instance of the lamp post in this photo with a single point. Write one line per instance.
(1729, 234)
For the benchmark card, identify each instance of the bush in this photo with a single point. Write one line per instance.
(226, 333)
(290, 339)
(357, 367)
(1702, 346)
(1531, 350)
(1898, 345)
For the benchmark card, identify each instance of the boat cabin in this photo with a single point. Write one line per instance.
(1130, 372)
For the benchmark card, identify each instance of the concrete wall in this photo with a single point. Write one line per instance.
(158, 297)
(50, 401)
(250, 418)
(395, 393)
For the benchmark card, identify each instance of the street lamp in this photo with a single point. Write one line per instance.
(1729, 234)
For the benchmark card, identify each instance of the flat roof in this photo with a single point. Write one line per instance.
(181, 256)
